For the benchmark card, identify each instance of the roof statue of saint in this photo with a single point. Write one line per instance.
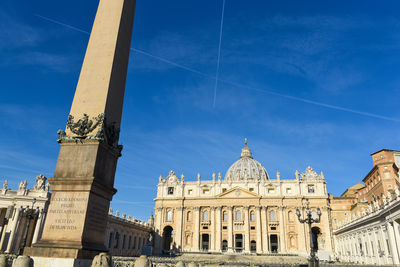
(246, 168)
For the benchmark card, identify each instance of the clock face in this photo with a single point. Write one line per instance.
(171, 179)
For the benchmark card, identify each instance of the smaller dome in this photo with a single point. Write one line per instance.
(246, 168)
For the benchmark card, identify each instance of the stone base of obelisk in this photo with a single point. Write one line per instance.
(82, 189)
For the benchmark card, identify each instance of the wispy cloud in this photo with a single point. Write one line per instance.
(308, 101)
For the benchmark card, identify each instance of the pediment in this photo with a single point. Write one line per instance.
(238, 192)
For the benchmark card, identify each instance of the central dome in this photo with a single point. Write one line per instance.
(246, 168)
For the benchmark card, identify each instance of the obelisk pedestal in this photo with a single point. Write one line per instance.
(83, 182)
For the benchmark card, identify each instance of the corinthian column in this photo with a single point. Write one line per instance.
(212, 237)
(258, 227)
(179, 229)
(196, 233)
(282, 226)
(247, 229)
(218, 231)
(264, 229)
(230, 229)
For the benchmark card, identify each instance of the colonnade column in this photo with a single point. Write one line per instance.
(282, 231)
(375, 240)
(383, 242)
(259, 231)
(13, 228)
(218, 230)
(230, 229)
(396, 236)
(37, 228)
(393, 244)
(196, 233)
(212, 237)
(247, 229)
(264, 225)
(178, 229)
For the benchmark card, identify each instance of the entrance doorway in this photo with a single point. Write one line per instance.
(253, 246)
(238, 242)
(168, 233)
(273, 240)
(315, 233)
(224, 245)
(205, 241)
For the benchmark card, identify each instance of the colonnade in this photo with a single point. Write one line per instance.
(378, 244)
(13, 230)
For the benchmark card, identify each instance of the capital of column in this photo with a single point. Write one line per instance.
(196, 208)
(179, 208)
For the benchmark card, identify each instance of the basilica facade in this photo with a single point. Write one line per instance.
(246, 211)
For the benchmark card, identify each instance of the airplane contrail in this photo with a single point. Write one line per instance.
(219, 53)
(295, 98)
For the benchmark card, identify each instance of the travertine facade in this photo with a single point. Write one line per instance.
(246, 211)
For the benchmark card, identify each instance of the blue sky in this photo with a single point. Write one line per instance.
(307, 82)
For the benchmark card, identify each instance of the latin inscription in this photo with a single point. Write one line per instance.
(67, 212)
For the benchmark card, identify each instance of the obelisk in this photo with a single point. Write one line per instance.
(83, 182)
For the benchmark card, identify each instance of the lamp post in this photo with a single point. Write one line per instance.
(313, 260)
(29, 216)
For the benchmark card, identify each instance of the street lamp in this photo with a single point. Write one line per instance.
(313, 261)
(30, 216)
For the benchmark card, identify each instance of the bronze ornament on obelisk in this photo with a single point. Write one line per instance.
(83, 182)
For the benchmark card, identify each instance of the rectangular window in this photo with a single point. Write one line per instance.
(223, 190)
(251, 189)
(288, 190)
(253, 228)
(271, 190)
(206, 191)
(225, 217)
(134, 243)
(273, 228)
(130, 242)
(190, 192)
(205, 227)
(170, 190)
(224, 227)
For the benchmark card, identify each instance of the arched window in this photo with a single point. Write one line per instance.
(225, 216)
(291, 216)
(205, 216)
(238, 215)
(169, 216)
(272, 215)
(252, 216)
(189, 216)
